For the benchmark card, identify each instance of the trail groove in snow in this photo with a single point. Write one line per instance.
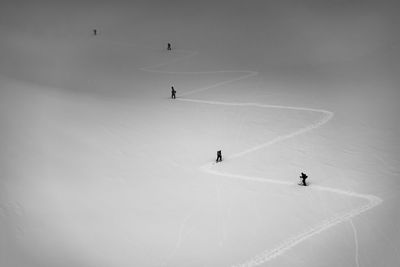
(355, 243)
(181, 235)
(267, 255)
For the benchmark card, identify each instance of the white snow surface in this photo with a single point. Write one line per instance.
(99, 167)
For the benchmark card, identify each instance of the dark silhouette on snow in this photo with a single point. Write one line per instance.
(173, 92)
(169, 47)
(219, 156)
(94, 31)
(304, 177)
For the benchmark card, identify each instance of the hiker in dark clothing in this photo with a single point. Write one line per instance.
(173, 92)
(169, 47)
(95, 32)
(304, 177)
(219, 156)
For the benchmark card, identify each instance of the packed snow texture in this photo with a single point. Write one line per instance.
(100, 167)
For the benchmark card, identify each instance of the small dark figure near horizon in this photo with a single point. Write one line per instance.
(304, 177)
(169, 47)
(219, 156)
(173, 92)
(94, 31)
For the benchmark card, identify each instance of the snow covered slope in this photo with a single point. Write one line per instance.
(99, 167)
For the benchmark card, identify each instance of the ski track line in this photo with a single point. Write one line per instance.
(221, 221)
(355, 243)
(179, 240)
(267, 255)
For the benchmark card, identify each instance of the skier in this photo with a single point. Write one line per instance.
(169, 47)
(95, 32)
(219, 156)
(304, 177)
(173, 92)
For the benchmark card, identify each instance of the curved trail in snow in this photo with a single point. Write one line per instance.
(267, 255)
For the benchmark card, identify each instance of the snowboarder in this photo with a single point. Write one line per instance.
(173, 92)
(219, 156)
(169, 47)
(304, 177)
(94, 32)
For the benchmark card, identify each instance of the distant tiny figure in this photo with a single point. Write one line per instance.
(94, 31)
(173, 92)
(219, 156)
(304, 177)
(169, 47)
